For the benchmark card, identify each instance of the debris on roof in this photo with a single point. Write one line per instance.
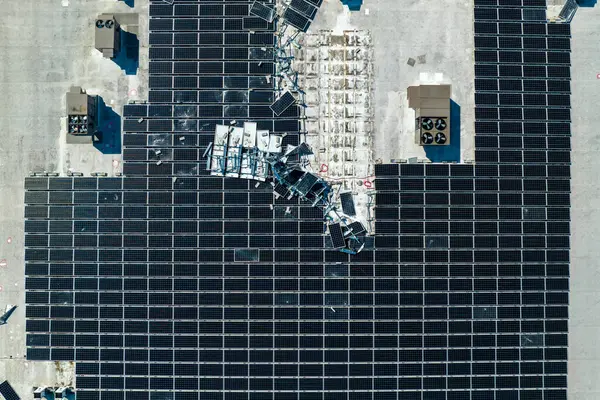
(247, 153)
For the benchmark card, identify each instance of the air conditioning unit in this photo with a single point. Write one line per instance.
(107, 35)
(432, 131)
(432, 112)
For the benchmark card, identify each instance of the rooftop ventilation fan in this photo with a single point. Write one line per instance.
(440, 138)
(427, 124)
(109, 23)
(427, 138)
(440, 124)
(99, 23)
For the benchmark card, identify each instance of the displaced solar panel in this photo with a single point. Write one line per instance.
(357, 228)
(8, 392)
(304, 8)
(285, 101)
(306, 182)
(296, 19)
(348, 203)
(281, 190)
(336, 235)
(262, 11)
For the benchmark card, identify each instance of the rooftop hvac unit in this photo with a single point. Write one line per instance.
(432, 131)
(107, 35)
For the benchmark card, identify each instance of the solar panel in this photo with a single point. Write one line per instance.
(8, 392)
(296, 19)
(336, 235)
(347, 201)
(305, 8)
(285, 101)
(357, 228)
(262, 11)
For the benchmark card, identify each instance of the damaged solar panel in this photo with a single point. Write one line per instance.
(284, 102)
(297, 20)
(348, 203)
(336, 235)
(262, 11)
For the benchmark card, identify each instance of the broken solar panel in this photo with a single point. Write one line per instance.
(306, 183)
(348, 203)
(295, 19)
(283, 103)
(357, 228)
(337, 237)
(304, 7)
(302, 149)
(8, 392)
(281, 190)
(262, 11)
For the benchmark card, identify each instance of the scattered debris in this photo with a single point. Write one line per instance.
(9, 310)
(336, 72)
(248, 153)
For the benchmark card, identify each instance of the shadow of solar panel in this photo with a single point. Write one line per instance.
(304, 7)
(296, 19)
(262, 11)
(284, 102)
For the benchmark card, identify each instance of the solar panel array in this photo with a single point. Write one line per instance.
(171, 284)
(7, 391)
